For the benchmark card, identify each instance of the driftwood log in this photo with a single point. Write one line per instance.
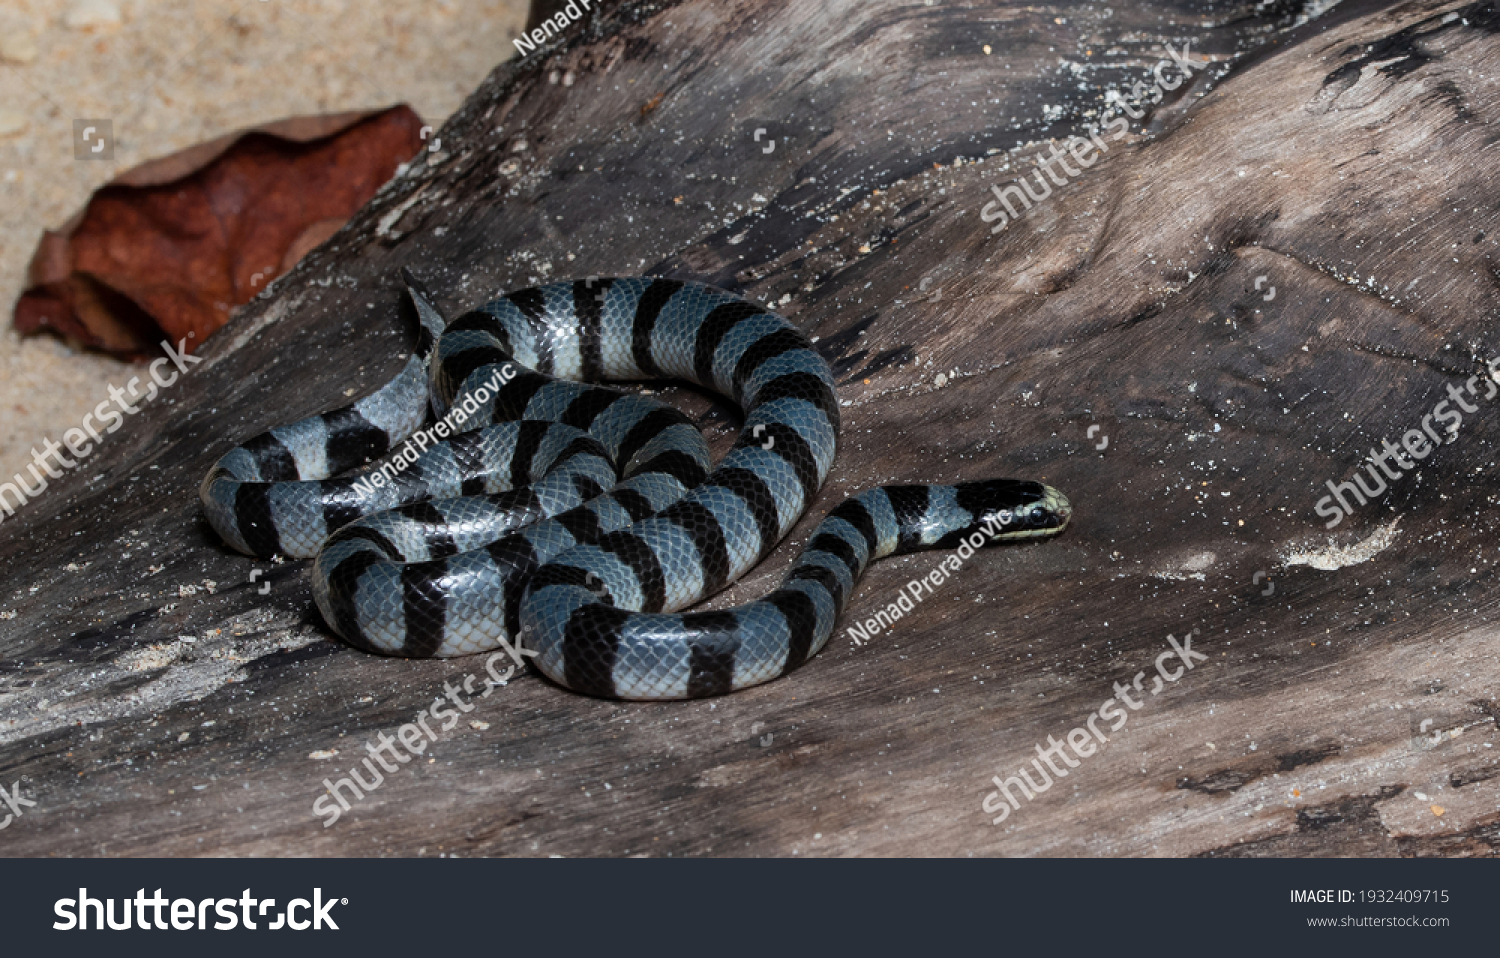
(1285, 261)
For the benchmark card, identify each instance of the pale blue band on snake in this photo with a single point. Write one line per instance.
(575, 520)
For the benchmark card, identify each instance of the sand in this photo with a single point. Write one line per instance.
(170, 73)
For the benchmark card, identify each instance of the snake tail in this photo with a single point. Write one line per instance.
(573, 615)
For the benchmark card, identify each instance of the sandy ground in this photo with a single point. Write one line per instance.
(170, 73)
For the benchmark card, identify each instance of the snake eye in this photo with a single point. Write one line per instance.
(1038, 514)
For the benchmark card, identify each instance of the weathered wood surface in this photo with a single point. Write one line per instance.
(1349, 161)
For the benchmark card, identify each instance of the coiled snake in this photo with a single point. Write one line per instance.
(580, 518)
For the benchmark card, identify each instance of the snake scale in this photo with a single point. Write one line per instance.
(578, 519)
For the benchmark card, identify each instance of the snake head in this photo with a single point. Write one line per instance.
(1016, 508)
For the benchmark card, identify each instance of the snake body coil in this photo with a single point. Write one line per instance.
(579, 518)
